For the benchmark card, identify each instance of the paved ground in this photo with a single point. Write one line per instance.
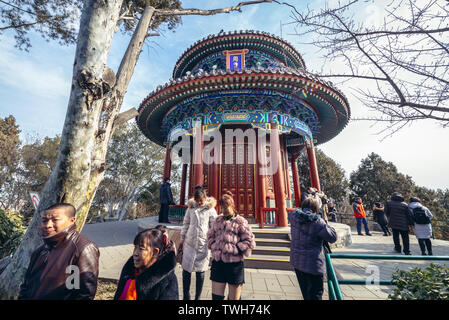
(115, 242)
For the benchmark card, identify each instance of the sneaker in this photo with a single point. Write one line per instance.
(397, 250)
(423, 254)
(385, 234)
(360, 234)
(408, 254)
(369, 234)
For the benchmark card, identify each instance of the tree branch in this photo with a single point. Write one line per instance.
(179, 12)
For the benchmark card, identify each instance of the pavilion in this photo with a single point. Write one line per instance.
(255, 82)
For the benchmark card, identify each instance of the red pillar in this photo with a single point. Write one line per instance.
(278, 178)
(198, 156)
(261, 181)
(167, 165)
(286, 171)
(182, 195)
(189, 191)
(296, 185)
(314, 178)
(214, 173)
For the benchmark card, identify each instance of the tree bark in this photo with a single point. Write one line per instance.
(95, 100)
(75, 173)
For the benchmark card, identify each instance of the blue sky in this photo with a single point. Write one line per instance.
(35, 88)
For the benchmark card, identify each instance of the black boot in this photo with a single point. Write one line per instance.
(186, 277)
(217, 297)
(199, 285)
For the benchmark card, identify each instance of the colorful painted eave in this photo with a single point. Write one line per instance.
(280, 79)
(242, 38)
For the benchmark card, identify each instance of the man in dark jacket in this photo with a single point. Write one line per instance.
(65, 267)
(400, 221)
(166, 199)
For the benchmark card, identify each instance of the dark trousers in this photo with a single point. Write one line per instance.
(423, 243)
(163, 212)
(311, 285)
(405, 240)
(384, 228)
(186, 278)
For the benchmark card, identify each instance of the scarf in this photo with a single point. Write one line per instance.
(129, 291)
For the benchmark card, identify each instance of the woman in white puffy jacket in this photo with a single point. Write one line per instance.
(423, 231)
(196, 256)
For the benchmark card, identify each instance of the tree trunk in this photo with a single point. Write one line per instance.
(95, 101)
(75, 176)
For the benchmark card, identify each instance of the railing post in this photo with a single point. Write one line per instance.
(333, 277)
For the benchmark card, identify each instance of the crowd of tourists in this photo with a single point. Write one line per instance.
(227, 238)
(402, 219)
(149, 273)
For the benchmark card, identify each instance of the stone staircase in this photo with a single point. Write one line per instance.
(272, 249)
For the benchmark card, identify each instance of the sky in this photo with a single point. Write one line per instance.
(35, 87)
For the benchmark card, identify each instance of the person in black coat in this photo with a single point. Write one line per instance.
(332, 215)
(166, 199)
(400, 221)
(150, 272)
(379, 217)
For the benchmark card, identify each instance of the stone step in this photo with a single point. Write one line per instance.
(270, 234)
(257, 261)
(271, 250)
(266, 242)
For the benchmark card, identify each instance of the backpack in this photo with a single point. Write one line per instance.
(419, 216)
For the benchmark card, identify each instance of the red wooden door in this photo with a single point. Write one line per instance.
(238, 178)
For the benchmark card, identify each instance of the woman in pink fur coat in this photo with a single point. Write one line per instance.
(230, 239)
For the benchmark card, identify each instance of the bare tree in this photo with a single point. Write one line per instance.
(96, 97)
(403, 57)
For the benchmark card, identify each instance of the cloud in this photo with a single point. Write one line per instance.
(29, 75)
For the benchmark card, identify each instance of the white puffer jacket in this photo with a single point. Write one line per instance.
(197, 222)
(422, 231)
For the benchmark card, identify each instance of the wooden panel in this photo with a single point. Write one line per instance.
(239, 178)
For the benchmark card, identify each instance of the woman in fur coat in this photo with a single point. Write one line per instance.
(149, 274)
(196, 256)
(230, 240)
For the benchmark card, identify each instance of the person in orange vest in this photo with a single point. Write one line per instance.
(360, 216)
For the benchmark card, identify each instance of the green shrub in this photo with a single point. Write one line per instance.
(11, 232)
(431, 283)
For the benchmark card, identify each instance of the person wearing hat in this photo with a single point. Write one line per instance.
(400, 221)
(166, 199)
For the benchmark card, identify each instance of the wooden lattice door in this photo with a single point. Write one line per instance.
(238, 178)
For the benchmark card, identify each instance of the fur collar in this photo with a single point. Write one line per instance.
(154, 274)
(305, 216)
(209, 204)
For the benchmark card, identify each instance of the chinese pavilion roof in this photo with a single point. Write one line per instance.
(270, 77)
(275, 50)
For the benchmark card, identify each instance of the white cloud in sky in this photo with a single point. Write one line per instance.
(28, 74)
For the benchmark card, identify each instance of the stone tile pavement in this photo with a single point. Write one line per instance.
(115, 242)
